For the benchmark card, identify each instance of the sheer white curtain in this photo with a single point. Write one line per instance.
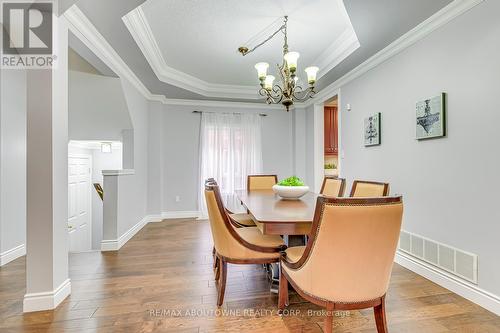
(230, 149)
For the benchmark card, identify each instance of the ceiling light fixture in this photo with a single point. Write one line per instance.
(106, 147)
(288, 91)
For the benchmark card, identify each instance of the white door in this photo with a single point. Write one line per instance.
(79, 194)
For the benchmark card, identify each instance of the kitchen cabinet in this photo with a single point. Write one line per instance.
(331, 130)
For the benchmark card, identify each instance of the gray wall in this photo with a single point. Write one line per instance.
(97, 107)
(12, 159)
(450, 184)
(132, 195)
(174, 153)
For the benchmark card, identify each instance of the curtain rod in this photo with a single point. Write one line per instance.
(260, 114)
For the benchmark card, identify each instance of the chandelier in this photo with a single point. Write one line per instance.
(288, 91)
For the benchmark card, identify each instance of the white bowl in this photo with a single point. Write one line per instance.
(290, 192)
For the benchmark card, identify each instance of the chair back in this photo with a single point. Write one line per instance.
(352, 246)
(227, 242)
(261, 182)
(333, 186)
(368, 189)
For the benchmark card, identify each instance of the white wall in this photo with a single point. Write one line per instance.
(12, 159)
(174, 152)
(97, 107)
(450, 185)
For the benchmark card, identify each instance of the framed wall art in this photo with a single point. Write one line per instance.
(372, 134)
(431, 117)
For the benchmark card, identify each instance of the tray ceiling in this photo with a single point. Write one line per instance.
(193, 44)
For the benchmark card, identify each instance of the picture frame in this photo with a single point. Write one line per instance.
(430, 117)
(372, 130)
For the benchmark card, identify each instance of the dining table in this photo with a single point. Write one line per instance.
(276, 216)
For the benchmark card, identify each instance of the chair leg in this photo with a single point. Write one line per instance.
(380, 318)
(282, 293)
(217, 268)
(222, 281)
(329, 319)
(216, 262)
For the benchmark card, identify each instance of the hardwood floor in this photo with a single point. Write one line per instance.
(162, 281)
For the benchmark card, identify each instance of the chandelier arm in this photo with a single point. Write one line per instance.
(309, 93)
(270, 99)
(278, 93)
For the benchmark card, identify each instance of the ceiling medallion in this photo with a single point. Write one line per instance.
(288, 91)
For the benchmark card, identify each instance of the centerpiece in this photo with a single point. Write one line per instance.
(291, 188)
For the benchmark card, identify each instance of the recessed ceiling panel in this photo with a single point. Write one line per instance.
(200, 37)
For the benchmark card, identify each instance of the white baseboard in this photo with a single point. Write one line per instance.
(461, 287)
(180, 214)
(12, 254)
(116, 244)
(47, 300)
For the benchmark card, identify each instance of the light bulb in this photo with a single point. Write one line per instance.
(261, 68)
(291, 60)
(311, 74)
(268, 83)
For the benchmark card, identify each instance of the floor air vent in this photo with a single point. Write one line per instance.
(457, 262)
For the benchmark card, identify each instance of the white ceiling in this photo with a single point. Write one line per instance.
(193, 44)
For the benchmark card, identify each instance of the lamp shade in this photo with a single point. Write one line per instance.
(311, 74)
(268, 83)
(261, 68)
(291, 60)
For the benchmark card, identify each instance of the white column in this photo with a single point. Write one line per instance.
(47, 281)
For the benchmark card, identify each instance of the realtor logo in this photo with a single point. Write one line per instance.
(27, 34)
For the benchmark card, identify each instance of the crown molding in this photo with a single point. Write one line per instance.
(439, 19)
(141, 31)
(84, 30)
(343, 47)
(222, 104)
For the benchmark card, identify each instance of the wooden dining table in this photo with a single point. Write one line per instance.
(276, 216)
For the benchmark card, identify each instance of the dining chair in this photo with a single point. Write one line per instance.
(236, 245)
(333, 186)
(347, 262)
(239, 220)
(365, 189)
(261, 182)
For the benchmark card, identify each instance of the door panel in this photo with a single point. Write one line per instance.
(79, 192)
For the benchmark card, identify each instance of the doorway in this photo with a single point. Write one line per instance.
(86, 161)
(331, 137)
(79, 202)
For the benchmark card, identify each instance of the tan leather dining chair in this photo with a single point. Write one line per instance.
(239, 220)
(236, 245)
(366, 189)
(347, 262)
(261, 182)
(333, 186)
